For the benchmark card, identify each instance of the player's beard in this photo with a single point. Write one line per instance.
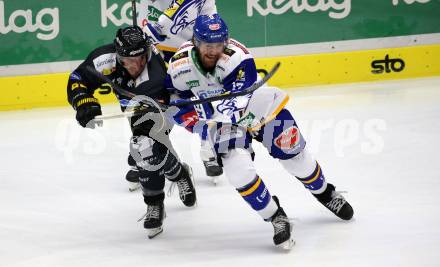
(209, 61)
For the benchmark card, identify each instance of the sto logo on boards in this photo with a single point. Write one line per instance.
(388, 64)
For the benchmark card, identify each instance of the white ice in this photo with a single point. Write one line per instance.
(64, 200)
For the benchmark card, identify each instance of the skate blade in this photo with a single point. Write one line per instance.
(133, 186)
(287, 245)
(151, 233)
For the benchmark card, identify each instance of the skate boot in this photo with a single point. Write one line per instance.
(187, 192)
(213, 169)
(132, 178)
(335, 202)
(282, 229)
(153, 219)
(132, 175)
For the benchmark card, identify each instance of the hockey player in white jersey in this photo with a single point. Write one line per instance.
(212, 64)
(173, 27)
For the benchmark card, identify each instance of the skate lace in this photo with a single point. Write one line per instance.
(152, 212)
(183, 186)
(279, 224)
(337, 202)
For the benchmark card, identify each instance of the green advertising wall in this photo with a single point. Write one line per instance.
(59, 30)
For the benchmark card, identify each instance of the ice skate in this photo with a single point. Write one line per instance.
(213, 170)
(132, 178)
(187, 192)
(282, 228)
(153, 219)
(336, 203)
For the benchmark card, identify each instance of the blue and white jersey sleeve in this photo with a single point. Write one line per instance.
(237, 68)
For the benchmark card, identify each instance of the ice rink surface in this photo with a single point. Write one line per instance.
(64, 200)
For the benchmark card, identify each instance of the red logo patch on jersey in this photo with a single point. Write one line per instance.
(190, 118)
(214, 27)
(288, 139)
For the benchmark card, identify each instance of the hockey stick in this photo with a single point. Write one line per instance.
(134, 13)
(226, 95)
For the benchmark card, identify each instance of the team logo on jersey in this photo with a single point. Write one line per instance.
(228, 106)
(288, 139)
(193, 83)
(130, 83)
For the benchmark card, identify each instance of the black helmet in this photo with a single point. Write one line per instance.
(131, 42)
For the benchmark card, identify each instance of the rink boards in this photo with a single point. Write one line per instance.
(47, 90)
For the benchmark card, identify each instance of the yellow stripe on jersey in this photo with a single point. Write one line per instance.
(271, 117)
(166, 48)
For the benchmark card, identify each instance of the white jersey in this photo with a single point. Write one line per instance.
(176, 20)
(234, 70)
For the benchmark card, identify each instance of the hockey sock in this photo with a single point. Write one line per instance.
(258, 197)
(315, 182)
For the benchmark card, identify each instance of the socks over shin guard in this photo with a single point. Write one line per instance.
(258, 197)
(315, 182)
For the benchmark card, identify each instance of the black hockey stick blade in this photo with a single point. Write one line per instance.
(228, 95)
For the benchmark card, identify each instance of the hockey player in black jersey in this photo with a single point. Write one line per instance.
(133, 63)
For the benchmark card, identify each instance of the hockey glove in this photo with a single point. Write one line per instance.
(86, 110)
(185, 116)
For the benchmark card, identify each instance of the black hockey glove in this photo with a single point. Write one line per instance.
(86, 110)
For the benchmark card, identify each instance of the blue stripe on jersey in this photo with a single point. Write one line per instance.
(243, 76)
